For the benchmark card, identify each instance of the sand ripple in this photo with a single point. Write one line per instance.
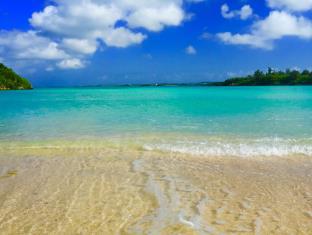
(85, 191)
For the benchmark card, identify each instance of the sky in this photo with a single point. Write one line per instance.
(57, 43)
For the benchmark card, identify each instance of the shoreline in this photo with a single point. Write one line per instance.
(165, 86)
(172, 143)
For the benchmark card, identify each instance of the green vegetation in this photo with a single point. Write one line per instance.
(271, 78)
(259, 78)
(9, 80)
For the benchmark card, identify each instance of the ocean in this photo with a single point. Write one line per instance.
(240, 121)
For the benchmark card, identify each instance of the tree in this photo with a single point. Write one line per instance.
(270, 70)
(289, 77)
(258, 75)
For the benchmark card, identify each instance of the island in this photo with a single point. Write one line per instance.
(270, 78)
(9, 80)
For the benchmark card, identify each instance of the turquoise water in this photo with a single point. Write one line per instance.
(212, 120)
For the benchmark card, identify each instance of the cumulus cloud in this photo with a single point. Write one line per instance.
(244, 13)
(149, 18)
(98, 18)
(190, 50)
(264, 32)
(292, 5)
(77, 28)
(71, 64)
(121, 37)
(83, 46)
(28, 45)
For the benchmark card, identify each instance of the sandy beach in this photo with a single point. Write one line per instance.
(49, 190)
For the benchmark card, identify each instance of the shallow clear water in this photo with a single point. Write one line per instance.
(224, 120)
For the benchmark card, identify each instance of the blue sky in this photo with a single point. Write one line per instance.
(92, 42)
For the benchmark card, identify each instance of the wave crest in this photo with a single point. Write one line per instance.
(259, 147)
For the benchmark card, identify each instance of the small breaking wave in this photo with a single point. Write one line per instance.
(242, 148)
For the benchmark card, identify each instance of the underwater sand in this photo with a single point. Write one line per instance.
(56, 190)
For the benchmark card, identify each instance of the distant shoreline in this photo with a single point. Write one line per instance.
(258, 79)
(212, 84)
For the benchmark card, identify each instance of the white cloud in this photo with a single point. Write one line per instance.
(264, 32)
(28, 45)
(97, 19)
(71, 64)
(76, 18)
(77, 28)
(155, 19)
(190, 50)
(225, 12)
(83, 46)
(244, 13)
(292, 5)
(121, 37)
(244, 39)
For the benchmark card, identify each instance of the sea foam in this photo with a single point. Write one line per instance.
(242, 148)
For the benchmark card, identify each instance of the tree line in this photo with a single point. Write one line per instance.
(271, 77)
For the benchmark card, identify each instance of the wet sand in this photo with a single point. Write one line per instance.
(132, 191)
